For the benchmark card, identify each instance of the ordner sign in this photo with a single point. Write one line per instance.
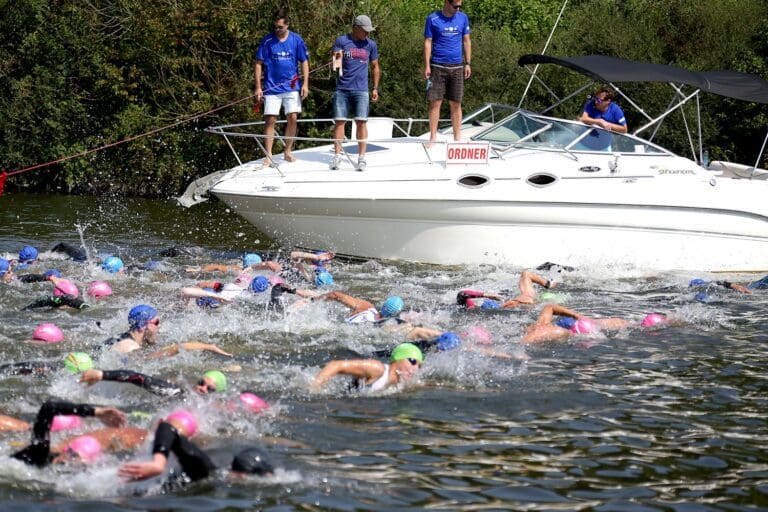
(467, 153)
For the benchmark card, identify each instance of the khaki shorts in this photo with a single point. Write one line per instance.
(447, 82)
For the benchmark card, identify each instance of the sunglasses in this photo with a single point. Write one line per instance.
(155, 322)
(600, 101)
(414, 362)
(208, 387)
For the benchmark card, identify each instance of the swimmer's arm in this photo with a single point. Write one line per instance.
(735, 287)
(423, 333)
(9, 424)
(359, 368)
(147, 382)
(33, 278)
(308, 256)
(216, 267)
(267, 265)
(355, 304)
(192, 292)
(189, 345)
(134, 471)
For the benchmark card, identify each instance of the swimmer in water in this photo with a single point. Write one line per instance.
(74, 252)
(172, 436)
(373, 375)
(65, 293)
(74, 362)
(527, 295)
(38, 453)
(362, 310)
(144, 324)
(211, 382)
(544, 330)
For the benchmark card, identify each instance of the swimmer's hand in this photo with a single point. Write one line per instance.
(134, 471)
(325, 256)
(110, 416)
(192, 270)
(91, 376)
(493, 296)
(197, 345)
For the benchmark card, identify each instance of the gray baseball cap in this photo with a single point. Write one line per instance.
(363, 22)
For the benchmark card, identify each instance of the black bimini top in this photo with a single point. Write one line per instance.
(741, 86)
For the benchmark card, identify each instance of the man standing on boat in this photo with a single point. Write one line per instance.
(446, 34)
(355, 51)
(279, 52)
(601, 111)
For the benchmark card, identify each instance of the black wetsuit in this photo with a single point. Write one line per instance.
(276, 301)
(29, 368)
(195, 463)
(152, 384)
(52, 301)
(71, 250)
(38, 453)
(32, 278)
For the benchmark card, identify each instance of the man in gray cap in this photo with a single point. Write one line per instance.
(355, 51)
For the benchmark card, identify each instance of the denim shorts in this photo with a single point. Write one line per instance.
(358, 100)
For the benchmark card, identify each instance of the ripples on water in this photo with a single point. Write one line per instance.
(673, 419)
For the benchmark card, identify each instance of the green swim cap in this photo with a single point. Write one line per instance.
(407, 351)
(219, 378)
(77, 362)
(551, 296)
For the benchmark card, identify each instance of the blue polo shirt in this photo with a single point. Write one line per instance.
(613, 114)
(447, 34)
(280, 58)
(354, 64)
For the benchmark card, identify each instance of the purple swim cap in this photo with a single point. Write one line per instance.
(66, 287)
(183, 420)
(98, 289)
(253, 402)
(653, 319)
(48, 332)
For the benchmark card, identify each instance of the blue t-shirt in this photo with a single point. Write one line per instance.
(613, 114)
(354, 65)
(280, 58)
(447, 36)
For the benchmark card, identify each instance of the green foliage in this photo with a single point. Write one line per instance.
(76, 75)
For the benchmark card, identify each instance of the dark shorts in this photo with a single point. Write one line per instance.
(447, 82)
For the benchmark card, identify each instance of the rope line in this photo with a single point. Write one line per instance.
(3, 176)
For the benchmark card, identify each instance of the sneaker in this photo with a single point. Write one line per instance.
(361, 164)
(336, 162)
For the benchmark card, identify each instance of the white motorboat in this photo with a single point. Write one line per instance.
(521, 188)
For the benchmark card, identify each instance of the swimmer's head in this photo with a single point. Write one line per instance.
(566, 322)
(654, 319)
(65, 287)
(65, 422)
(215, 377)
(140, 316)
(183, 421)
(323, 278)
(392, 306)
(252, 461)
(52, 273)
(584, 325)
(48, 332)
(208, 302)
(76, 362)
(87, 448)
(251, 259)
(27, 254)
(701, 297)
(98, 289)
(243, 278)
(259, 284)
(698, 282)
(112, 264)
(253, 402)
(406, 351)
(448, 341)
(478, 334)
(5, 266)
(490, 304)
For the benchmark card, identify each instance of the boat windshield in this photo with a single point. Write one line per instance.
(522, 129)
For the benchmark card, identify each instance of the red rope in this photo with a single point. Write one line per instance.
(256, 108)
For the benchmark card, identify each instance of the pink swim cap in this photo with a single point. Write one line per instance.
(184, 420)
(49, 333)
(65, 422)
(253, 402)
(276, 280)
(478, 334)
(98, 289)
(86, 447)
(243, 278)
(584, 326)
(65, 287)
(653, 319)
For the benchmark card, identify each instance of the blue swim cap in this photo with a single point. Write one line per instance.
(139, 316)
(565, 322)
(208, 302)
(112, 264)
(323, 278)
(27, 254)
(701, 297)
(490, 304)
(259, 284)
(151, 265)
(52, 272)
(392, 306)
(448, 341)
(5, 266)
(698, 282)
(251, 259)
